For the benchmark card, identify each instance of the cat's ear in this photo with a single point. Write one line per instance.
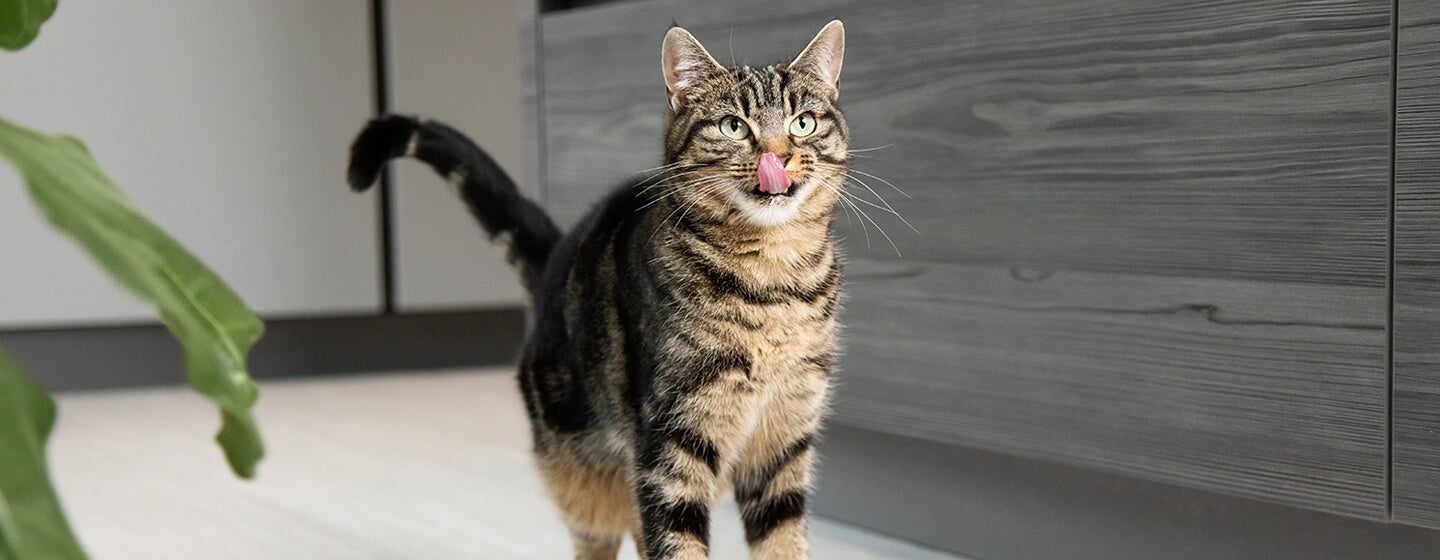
(686, 64)
(823, 56)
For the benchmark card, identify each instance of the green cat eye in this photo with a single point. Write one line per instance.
(734, 128)
(802, 125)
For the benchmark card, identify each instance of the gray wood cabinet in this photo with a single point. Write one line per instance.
(1416, 331)
(1153, 237)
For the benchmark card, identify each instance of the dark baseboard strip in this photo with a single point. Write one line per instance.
(139, 355)
(996, 507)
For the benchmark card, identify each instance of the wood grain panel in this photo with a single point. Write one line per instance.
(1417, 266)
(1151, 236)
(1189, 138)
(1262, 389)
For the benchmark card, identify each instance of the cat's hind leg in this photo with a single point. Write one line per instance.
(594, 499)
(596, 547)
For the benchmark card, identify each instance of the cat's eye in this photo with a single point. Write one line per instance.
(734, 128)
(802, 125)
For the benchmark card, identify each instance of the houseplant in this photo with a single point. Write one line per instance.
(212, 324)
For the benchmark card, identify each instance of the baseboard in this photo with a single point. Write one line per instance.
(140, 355)
(989, 506)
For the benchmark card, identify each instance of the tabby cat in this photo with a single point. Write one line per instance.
(683, 333)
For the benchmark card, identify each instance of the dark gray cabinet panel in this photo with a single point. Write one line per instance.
(1152, 235)
(1417, 265)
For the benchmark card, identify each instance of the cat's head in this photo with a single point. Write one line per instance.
(762, 146)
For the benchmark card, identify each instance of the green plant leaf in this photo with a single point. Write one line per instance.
(32, 524)
(20, 21)
(215, 328)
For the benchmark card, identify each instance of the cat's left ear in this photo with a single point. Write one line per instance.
(823, 56)
(686, 64)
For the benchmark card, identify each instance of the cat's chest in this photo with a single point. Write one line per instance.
(782, 341)
(776, 307)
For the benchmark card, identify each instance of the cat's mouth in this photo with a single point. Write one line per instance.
(770, 208)
(759, 193)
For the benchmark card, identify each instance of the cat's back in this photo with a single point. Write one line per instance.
(591, 240)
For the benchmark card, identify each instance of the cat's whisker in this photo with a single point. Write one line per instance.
(663, 176)
(863, 228)
(678, 188)
(849, 220)
(707, 192)
(679, 220)
(662, 167)
(672, 175)
(656, 200)
(849, 216)
(887, 207)
(664, 179)
(847, 205)
(881, 179)
(673, 187)
(707, 189)
(866, 216)
(849, 199)
(662, 196)
(858, 150)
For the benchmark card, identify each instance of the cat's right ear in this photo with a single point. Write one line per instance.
(686, 64)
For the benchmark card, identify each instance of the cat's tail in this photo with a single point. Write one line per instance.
(493, 198)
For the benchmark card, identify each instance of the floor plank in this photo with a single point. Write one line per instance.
(430, 465)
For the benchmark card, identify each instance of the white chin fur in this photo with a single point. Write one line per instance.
(769, 211)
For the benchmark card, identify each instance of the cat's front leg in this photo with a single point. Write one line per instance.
(772, 475)
(675, 486)
(772, 495)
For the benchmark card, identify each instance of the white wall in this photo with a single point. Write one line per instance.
(228, 122)
(456, 61)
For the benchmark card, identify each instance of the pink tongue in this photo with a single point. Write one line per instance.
(773, 179)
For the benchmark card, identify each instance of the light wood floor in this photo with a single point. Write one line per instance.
(406, 466)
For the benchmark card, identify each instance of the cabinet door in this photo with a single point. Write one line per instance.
(457, 61)
(1417, 266)
(228, 123)
(1151, 235)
